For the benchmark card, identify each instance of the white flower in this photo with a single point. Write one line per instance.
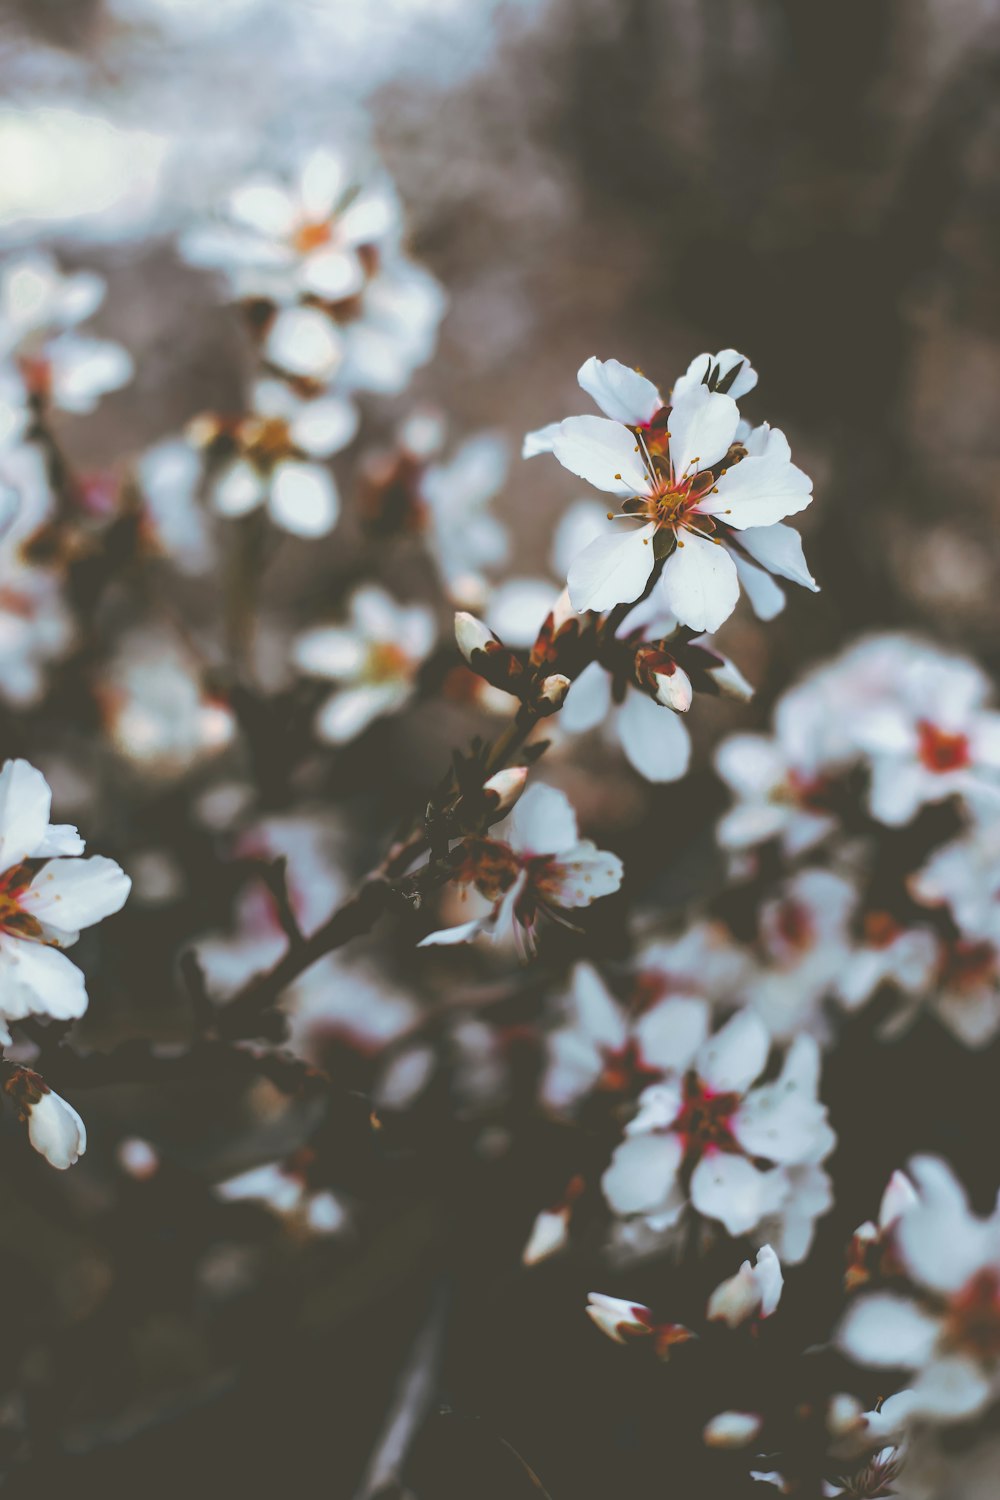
(947, 1330)
(754, 1292)
(174, 523)
(271, 457)
(47, 895)
(533, 864)
(732, 1429)
(39, 311)
(617, 1048)
(691, 488)
(624, 1322)
(904, 957)
(805, 938)
(286, 1192)
(933, 739)
(319, 235)
(965, 876)
(652, 737)
(157, 714)
(36, 626)
(374, 659)
(56, 1130)
(708, 1136)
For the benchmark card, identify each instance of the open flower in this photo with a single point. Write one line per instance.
(39, 312)
(964, 876)
(710, 1136)
(947, 1329)
(805, 940)
(535, 865)
(272, 456)
(374, 660)
(47, 895)
(680, 473)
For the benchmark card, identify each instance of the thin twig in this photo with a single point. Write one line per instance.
(418, 1384)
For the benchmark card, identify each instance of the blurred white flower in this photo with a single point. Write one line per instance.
(282, 1188)
(157, 714)
(373, 658)
(47, 895)
(710, 1136)
(625, 1322)
(946, 1329)
(805, 942)
(36, 626)
(56, 1130)
(534, 864)
(754, 1292)
(174, 523)
(271, 457)
(39, 311)
(964, 876)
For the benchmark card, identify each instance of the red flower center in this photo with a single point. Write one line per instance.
(940, 751)
(973, 1320)
(705, 1121)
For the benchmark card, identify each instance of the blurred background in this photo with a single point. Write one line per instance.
(816, 185)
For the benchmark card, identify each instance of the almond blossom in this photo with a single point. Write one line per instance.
(534, 864)
(713, 1138)
(36, 627)
(272, 457)
(40, 309)
(54, 1128)
(964, 877)
(373, 658)
(47, 895)
(945, 1327)
(696, 490)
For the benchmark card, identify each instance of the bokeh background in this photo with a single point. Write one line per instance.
(818, 185)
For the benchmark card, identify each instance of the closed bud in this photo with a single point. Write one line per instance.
(472, 635)
(552, 694)
(504, 788)
(658, 674)
(732, 1429)
(54, 1127)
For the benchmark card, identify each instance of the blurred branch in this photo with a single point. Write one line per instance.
(418, 1383)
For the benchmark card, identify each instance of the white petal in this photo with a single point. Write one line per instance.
(778, 548)
(767, 598)
(322, 180)
(950, 1389)
(238, 490)
(702, 428)
(329, 651)
(604, 453)
(642, 1172)
(333, 274)
(941, 1243)
(69, 894)
(731, 1059)
(583, 874)
(701, 366)
(25, 803)
(759, 491)
(612, 569)
(653, 738)
(732, 1190)
(594, 1010)
(671, 1032)
(60, 838)
(885, 1330)
(622, 394)
(346, 715)
(588, 701)
(751, 764)
(465, 932)
(264, 206)
(324, 426)
(304, 342)
(38, 981)
(304, 499)
(543, 822)
(699, 583)
(540, 441)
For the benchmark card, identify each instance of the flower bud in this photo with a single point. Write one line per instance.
(472, 635)
(753, 1292)
(618, 1319)
(552, 694)
(732, 1429)
(659, 675)
(56, 1131)
(549, 1234)
(505, 787)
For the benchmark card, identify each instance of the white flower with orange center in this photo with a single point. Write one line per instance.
(700, 495)
(373, 658)
(47, 895)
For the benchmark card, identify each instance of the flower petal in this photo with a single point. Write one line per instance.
(304, 499)
(642, 1172)
(732, 1190)
(702, 428)
(612, 569)
(69, 894)
(604, 453)
(25, 803)
(653, 738)
(699, 583)
(621, 393)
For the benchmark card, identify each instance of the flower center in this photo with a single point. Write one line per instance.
(705, 1120)
(968, 966)
(940, 751)
(880, 929)
(972, 1323)
(266, 440)
(312, 236)
(794, 926)
(625, 1072)
(13, 884)
(386, 662)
